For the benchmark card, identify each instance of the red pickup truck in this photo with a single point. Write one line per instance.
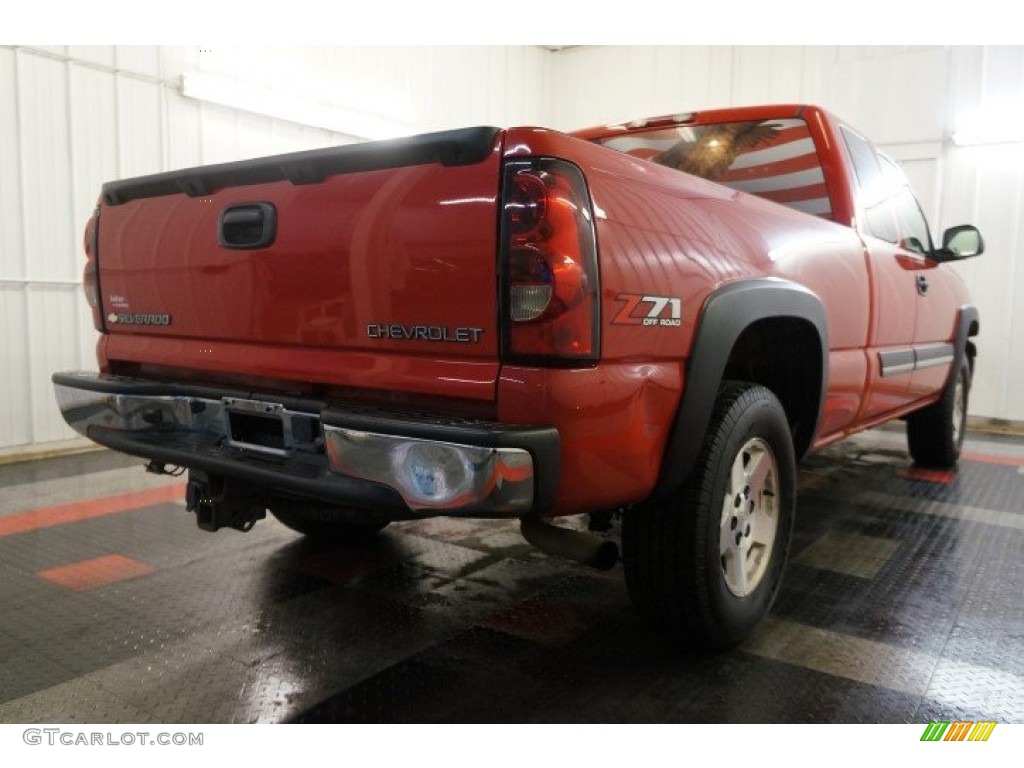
(657, 317)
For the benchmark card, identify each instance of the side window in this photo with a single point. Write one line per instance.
(914, 234)
(913, 226)
(865, 164)
(874, 188)
(880, 221)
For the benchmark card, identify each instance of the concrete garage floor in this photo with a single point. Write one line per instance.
(903, 603)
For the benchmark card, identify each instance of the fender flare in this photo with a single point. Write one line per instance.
(727, 312)
(966, 317)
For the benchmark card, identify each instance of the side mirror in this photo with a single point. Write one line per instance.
(960, 242)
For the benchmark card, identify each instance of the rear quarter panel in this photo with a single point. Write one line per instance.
(664, 233)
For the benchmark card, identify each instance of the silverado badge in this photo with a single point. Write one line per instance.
(138, 318)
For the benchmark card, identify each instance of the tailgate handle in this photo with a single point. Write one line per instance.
(248, 225)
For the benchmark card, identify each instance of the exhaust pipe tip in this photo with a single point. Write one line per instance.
(578, 546)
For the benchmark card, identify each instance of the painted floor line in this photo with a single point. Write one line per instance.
(48, 517)
(989, 458)
(941, 509)
(95, 572)
(66, 490)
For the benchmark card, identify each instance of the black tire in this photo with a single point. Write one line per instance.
(935, 434)
(676, 571)
(325, 522)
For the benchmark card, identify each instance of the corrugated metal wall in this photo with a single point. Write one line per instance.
(906, 99)
(71, 118)
(74, 117)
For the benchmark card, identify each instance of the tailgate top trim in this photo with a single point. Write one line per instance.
(465, 146)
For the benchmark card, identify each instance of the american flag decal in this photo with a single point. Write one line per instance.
(785, 170)
(773, 159)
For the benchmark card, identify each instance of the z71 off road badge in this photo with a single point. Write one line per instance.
(659, 311)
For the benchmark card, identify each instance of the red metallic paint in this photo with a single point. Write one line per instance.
(356, 249)
(465, 378)
(418, 245)
(611, 420)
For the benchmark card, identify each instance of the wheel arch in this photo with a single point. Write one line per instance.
(728, 313)
(968, 324)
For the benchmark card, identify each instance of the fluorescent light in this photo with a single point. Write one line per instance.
(993, 123)
(292, 105)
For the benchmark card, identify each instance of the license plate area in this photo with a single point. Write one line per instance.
(257, 426)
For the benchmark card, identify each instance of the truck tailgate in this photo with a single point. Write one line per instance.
(378, 252)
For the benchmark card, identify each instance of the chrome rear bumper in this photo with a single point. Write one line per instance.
(352, 456)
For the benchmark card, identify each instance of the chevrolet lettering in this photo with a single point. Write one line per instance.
(398, 331)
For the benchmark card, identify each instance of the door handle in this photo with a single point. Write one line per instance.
(247, 226)
(922, 285)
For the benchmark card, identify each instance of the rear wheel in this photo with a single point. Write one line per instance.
(325, 522)
(935, 434)
(706, 564)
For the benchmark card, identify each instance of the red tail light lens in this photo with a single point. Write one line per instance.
(526, 203)
(549, 265)
(91, 273)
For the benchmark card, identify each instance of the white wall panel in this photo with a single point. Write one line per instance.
(315, 138)
(816, 73)
(986, 186)
(526, 86)
(139, 59)
(897, 97)
(56, 50)
(175, 59)
(183, 147)
(15, 392)
(218, 132)
(94, 132)
(53, 344)
(766, 74)
(96, 54)
(12, 254)
(1003, 72)
(602, 85)
(87, 336)
(139, 127)
(254, 136)
(1012, 406)
(45, 168)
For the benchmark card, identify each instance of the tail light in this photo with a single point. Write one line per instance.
(551, 306)
(91, 275)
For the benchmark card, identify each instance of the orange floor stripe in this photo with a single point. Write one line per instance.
(928, 475)
(96, 572)
(47, 517)
(989, 458)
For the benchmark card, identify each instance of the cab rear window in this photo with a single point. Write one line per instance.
(774, 159)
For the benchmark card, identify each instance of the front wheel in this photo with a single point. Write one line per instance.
(935, 434)
(706, 564)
